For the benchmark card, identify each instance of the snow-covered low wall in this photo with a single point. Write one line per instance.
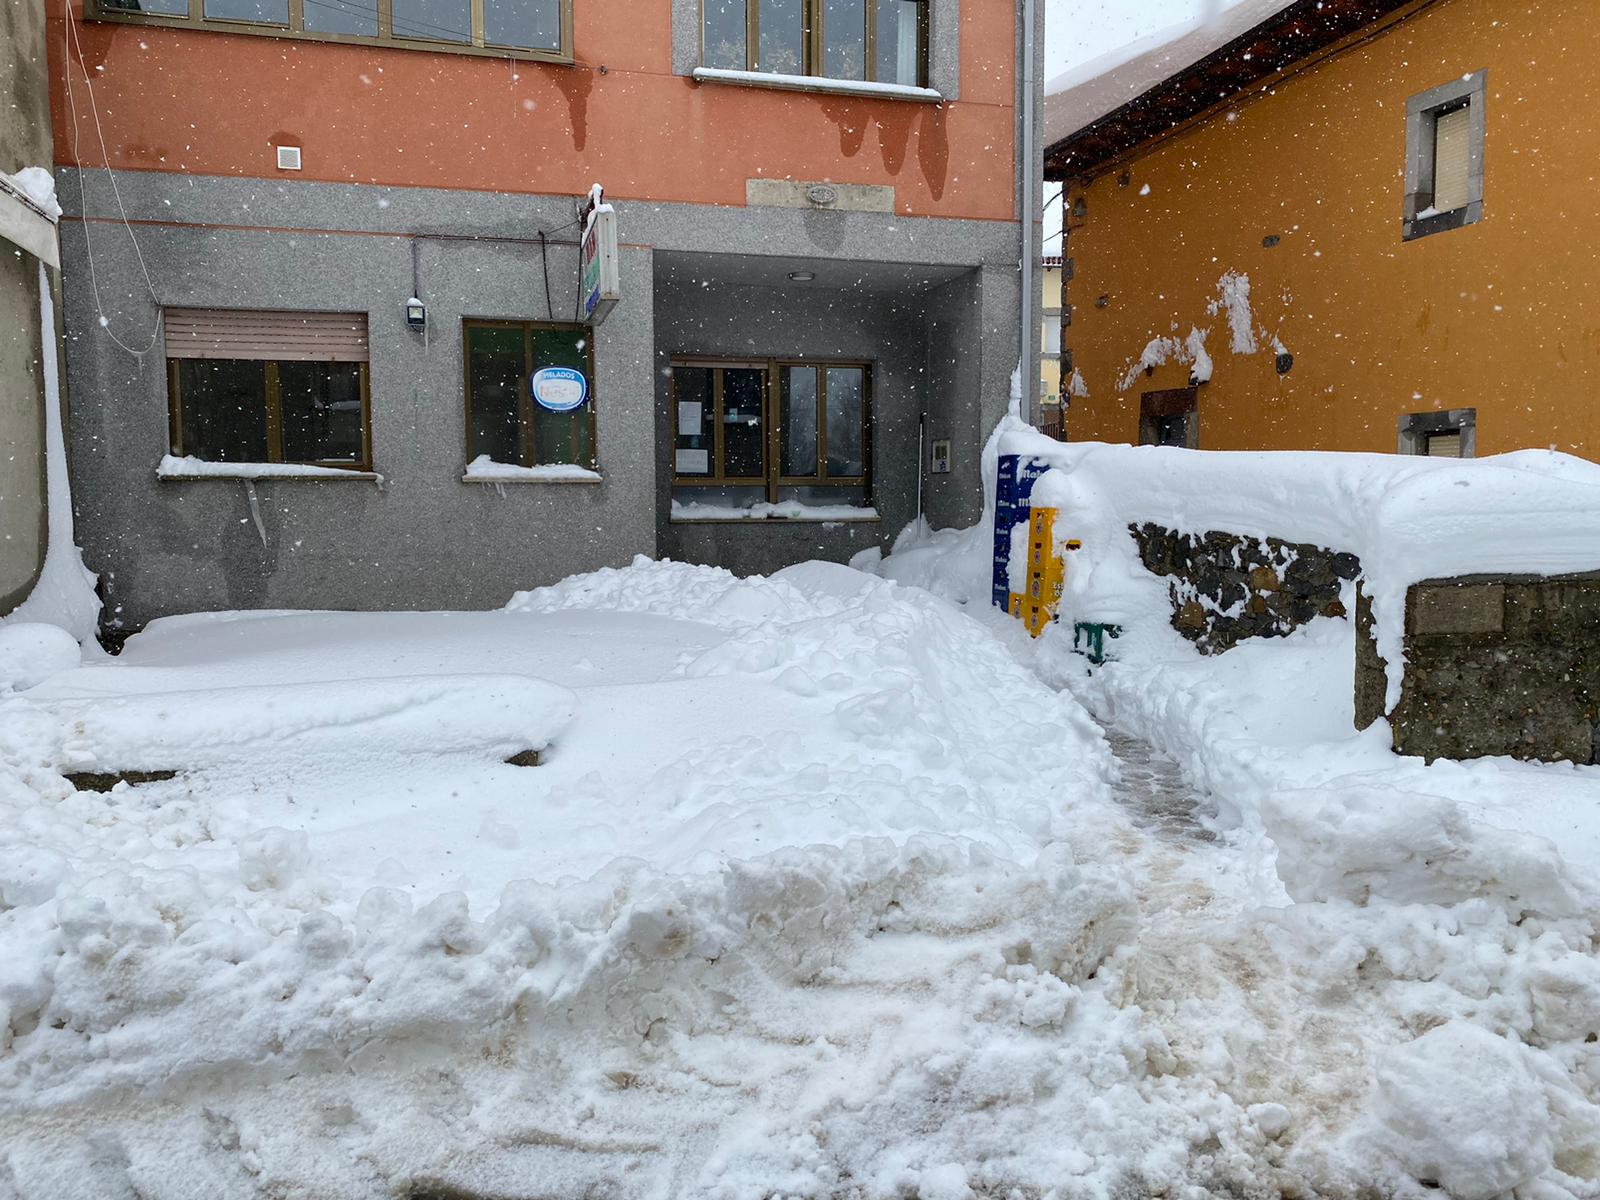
(1206, 541)
(1498, 665)
(1407, 519)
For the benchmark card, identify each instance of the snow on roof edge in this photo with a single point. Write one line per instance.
(1079, 96)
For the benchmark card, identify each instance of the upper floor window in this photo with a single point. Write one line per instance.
(513, 28)
(1444, 157)
(879, 41)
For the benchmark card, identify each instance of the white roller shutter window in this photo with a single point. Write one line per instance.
(278, 336)
(1452, 154)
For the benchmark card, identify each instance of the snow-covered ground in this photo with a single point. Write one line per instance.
(823, 887)
(811, 893)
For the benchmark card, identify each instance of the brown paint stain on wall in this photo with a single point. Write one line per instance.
(933, 148)
(575, 83)
(851, 118)
(894, 136)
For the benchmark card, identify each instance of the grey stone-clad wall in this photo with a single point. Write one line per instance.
(1226, 588)
(424, 539)
(1494, 665)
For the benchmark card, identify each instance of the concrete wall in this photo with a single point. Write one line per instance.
(425, 539)
(1494, 665)
(25, 141)
(1500, 315)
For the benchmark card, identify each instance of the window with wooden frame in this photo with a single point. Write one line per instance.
(504, 421)
(771, 430)
(249, 386)
(881, 41)
(540, 29)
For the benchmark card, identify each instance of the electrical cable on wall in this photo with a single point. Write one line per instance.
(83, 199)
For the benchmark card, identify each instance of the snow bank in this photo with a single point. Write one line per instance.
(793, 510)
(484, 469)
(64, 594)
(1407, 518)
(488, 715)
(1406, 988)
(32, 652)
(867, 934)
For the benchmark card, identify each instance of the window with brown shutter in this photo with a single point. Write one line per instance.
(1445, 136)
(1452, 154)
(250, 386)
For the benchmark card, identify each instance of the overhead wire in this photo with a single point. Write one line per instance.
(83, 201)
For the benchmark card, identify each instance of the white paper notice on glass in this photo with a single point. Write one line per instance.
(693, 462)
(689, 418)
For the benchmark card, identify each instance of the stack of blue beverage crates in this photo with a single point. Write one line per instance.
(1012, 505)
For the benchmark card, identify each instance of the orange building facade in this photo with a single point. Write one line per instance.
(817, 231)
(1378, 247)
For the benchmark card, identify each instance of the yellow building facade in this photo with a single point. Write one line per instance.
(1392, 244)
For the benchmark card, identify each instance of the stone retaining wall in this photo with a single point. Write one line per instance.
(1494, 665)
(1226, 588)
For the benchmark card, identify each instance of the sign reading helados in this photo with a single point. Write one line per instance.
(559, 389)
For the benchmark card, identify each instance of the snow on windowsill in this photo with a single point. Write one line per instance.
(173, 467)
(484, 469)
(784, 510)
(818, 83)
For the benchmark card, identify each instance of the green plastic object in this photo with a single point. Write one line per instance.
(1089, 639)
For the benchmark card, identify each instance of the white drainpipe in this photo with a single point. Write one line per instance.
(1030, 204)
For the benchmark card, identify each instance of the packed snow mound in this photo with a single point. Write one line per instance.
(1361, 844)
(492, 716)
(31, 652)
(868, 936)
(667, 589)
(1475, 1113)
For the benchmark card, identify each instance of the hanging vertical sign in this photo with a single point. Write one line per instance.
(600, 281)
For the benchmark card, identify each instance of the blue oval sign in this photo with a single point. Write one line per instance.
(560, 389)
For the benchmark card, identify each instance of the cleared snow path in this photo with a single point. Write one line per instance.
(1152, 788)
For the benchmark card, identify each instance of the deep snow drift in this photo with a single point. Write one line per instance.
(819, 891)
(1424, 989)
(813, 894)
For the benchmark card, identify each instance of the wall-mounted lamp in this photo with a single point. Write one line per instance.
(802, 276)
(416, 313)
